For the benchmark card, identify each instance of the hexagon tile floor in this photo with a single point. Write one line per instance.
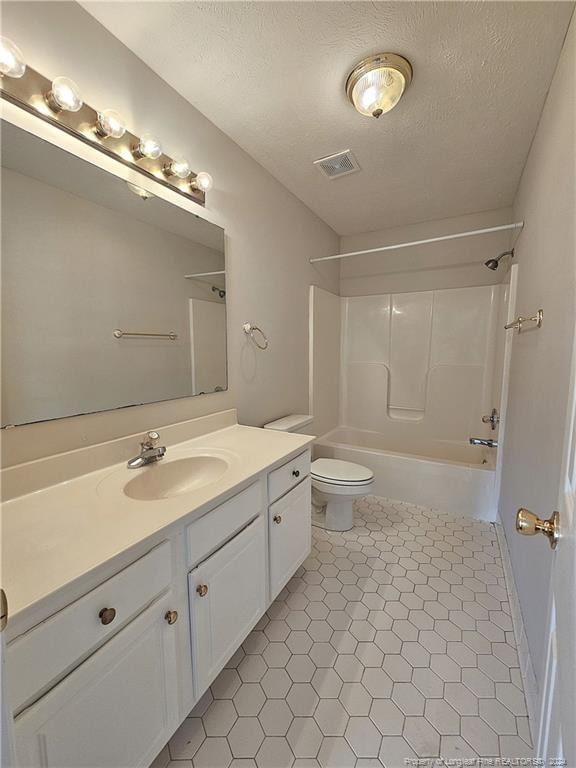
(392, 643)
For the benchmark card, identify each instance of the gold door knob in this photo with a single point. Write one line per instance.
(528, 524)
(107, 615)
(277, 519)
(171, 617)
(202, 590)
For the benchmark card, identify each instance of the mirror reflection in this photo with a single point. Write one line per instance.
(111, 297)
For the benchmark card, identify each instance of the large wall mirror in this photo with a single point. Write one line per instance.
(110, 298)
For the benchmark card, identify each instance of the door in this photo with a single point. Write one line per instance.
(118, 708)
(227, 598)
(290, 532)
(557, 735)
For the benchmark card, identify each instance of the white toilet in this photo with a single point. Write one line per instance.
(335, 485)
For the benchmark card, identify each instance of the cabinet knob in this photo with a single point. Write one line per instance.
(277, 519)
(202, 590)
(107, 615)
(296, 472)
(171, 617)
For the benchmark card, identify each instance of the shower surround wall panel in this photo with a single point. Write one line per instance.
(420, 365)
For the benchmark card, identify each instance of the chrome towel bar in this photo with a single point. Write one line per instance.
(119, 334)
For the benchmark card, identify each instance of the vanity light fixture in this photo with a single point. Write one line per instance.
(178, 167)
(202, 181)
(110, 125)
(105, 130)
(11, 60)
(376, 84)
(148, 146)
(64, 96)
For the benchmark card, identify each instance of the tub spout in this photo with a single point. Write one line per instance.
(486, 442)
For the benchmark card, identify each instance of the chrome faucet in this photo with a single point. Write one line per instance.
(487, 442)
(150, 451)
(493, 419)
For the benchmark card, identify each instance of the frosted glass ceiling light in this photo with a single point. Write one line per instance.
(11, 59)
(149, 147)
(64, 96)
(178, 167)
(109, 124)
(377, 83)
(203, 182)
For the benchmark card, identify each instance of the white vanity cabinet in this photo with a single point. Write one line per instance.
(227, 597)
(106, 680)
(117, 709)
(290, 532)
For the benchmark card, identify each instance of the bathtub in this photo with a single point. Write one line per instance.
(447, 475)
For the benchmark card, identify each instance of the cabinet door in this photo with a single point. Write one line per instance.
(290, 535)
(118, 708)
(227, 598)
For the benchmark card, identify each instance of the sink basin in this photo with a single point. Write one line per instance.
(174, 478)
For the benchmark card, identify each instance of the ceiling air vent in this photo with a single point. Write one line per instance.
(340, 164)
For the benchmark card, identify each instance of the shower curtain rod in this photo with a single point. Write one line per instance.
(516, 225)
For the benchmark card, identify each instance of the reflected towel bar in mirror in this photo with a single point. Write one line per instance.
(118, 334)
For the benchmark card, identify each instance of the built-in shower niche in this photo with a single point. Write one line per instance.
(420, 364)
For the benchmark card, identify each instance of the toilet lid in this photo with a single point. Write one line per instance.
(343, 472)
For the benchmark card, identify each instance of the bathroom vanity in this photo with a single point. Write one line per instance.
(129, 590)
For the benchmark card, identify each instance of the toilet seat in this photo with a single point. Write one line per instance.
(342, 473)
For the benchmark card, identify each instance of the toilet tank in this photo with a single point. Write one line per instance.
(292, 423)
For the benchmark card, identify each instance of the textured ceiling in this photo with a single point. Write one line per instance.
(271, 75)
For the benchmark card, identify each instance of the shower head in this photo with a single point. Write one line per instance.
(493, 263)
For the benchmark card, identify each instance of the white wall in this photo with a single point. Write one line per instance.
(420, 364)
(540, 366)
(325, 315)
(270, 234)
(449, 264)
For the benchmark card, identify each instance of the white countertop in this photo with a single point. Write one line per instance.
(57, 535)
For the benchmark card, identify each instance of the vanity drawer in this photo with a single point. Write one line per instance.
(212, 530)
(53, 648)
(281, 480)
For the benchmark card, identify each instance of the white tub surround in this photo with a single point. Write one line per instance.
(115, 598)
(441, 474)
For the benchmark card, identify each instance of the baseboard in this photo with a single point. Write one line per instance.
(526, 668)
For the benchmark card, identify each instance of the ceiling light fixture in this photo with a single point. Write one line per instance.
(110, 125)
(179, 167)
(11, 59)
(377, 83)
(64, 96)
(148, 146)
(203, 182)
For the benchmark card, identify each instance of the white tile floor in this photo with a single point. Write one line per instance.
(393, 641)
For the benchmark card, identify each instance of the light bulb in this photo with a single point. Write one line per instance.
(178, 167)
(203, 182)
(110, 124)
(64, 96)
(11, 59)
(148, 146)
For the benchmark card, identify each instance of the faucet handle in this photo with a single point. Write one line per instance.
(150, 439)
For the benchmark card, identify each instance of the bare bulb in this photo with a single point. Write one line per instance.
(203, 182)
(110, 124)
(148, 146)
(64, 96)
(178, 167)
(11, 59)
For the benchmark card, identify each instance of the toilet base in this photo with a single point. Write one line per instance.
(334, 513)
